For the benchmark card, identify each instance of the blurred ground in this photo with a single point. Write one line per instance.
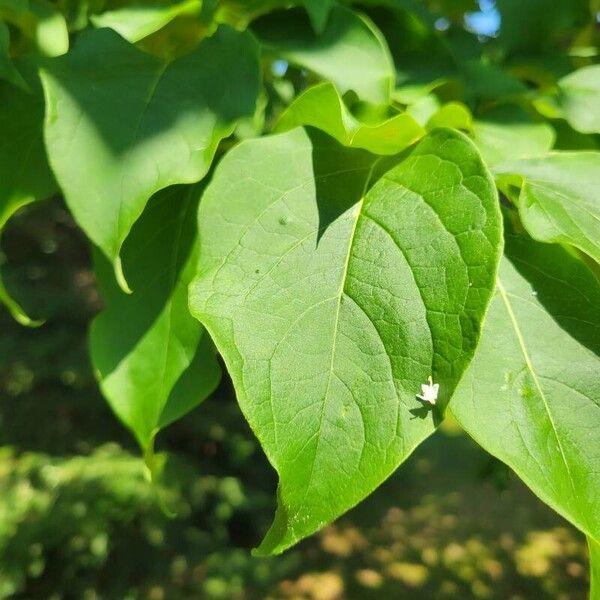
(78, 520)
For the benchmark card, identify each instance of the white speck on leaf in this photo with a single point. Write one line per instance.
(429, 391)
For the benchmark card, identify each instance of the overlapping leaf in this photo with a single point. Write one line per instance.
(40, 21)
(580, 99)
(153, 359)
(8, 71)
(350, 51)
(24, 172)
(508, 132)
(332, 298)
(111, 150)
(537, 26)
(241, 12)
(559, 197)
(531, 396)
(322, 107)
(134, 22)
(318, 11)
(452, 114)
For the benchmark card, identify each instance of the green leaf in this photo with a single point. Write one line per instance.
(452, 114)
(508, 132)
(135, 22)
(112, 150)
(240, 13)
(24, 172)
(8, 71)
(537, 26)
(580, 99)
(331, 302)
(594, 569)
(488, 81)
(350, 52)
(40, 21)
(423, 109)
(559, 199)
(318, 11)
(153, 359)
(322, 107)
(531, 396)
(569, 139)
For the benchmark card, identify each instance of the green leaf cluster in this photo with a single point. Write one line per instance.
(370, 213)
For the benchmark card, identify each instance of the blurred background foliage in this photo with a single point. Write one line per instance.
(78, 520)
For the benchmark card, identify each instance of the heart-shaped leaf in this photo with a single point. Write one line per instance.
(333, 298)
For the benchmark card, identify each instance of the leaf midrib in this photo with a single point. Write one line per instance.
(340, 295)
(531, 369)
(162, 68)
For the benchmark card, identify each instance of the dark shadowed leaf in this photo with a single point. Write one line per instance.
(153, 359)
(24, 172)
(350, 52)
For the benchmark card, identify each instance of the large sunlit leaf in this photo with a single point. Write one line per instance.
(134, 22)
(580, 99)
(322, 107)
(24, 172)
(559, 197)
(350, 52)
(332, 298)
(531, 396)
(121, 124)
(153, 359)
